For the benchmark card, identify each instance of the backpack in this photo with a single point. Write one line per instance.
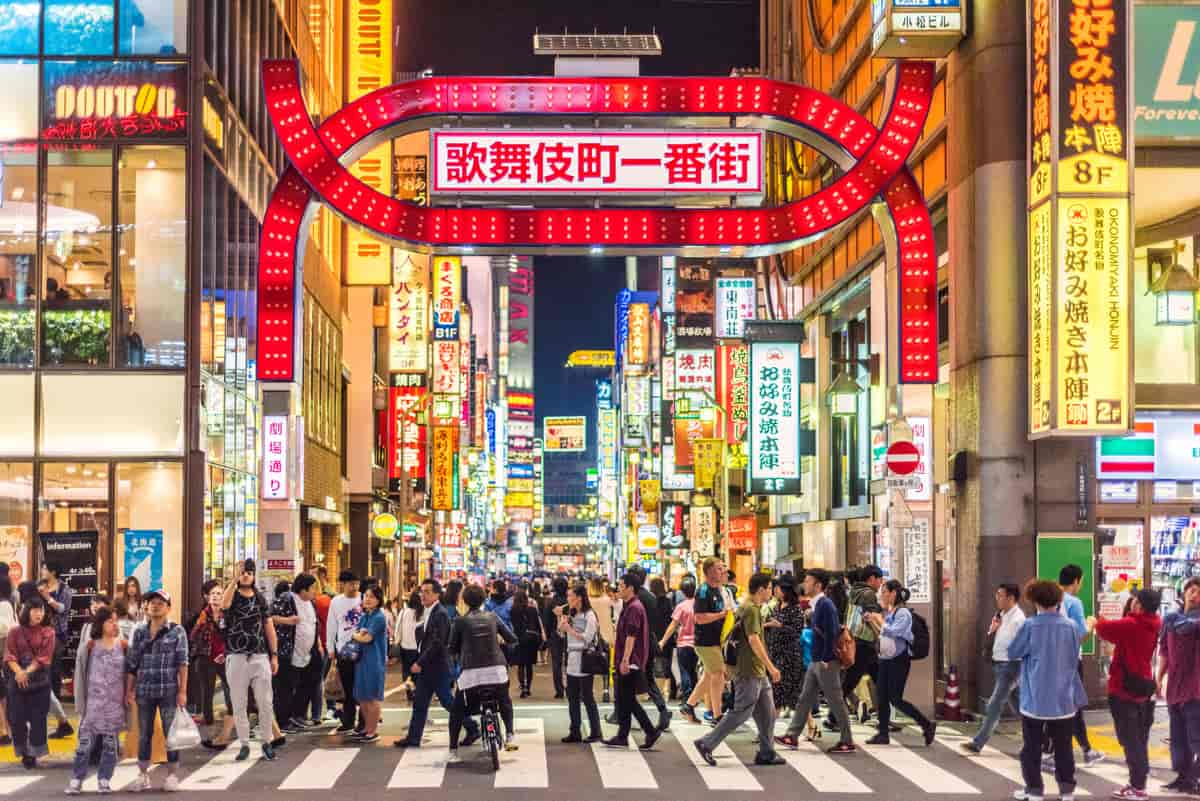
(733, 642)
(845, 648)
(919, 647)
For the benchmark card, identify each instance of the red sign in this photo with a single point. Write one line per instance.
(281, 564)
(407, 444)
(903, 457)
(608, 162)
(733, 389)
(742, 533)
(452, 536)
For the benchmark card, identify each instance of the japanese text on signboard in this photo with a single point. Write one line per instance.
(275, 471)
(774, 417)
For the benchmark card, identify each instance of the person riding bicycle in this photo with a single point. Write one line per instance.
(475, 642)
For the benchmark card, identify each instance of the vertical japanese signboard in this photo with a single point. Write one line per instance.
(369, 67)
(406, 445)
(774, 467)
(733, 389)
(447, 296)
(694, 305)
(408, 313)
(444, 468)
(735, 305)
(637, 348)
(1079, 249)
(276, 484)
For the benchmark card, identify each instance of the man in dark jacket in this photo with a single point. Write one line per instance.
(432, 668)
(555, 641)
(864, 600)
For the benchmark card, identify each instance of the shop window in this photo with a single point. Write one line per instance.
(134, 414)
(16, 517)
(20, 23)
(18, 253)
(74, 497)
(18, 98)
(1162, 354)
(16, 414)
(79, 27)
(77, 257)
(154, 27)
(152, 254)
(149, 541)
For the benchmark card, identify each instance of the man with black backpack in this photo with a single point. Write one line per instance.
(753, 675)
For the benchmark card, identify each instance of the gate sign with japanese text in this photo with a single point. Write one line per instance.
(607, 162)
(774, 418)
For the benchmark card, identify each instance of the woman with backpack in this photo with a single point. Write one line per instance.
(895, 658)
(527, 625)
(581, 627)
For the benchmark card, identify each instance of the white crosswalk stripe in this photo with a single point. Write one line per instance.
(14, 784)
(527, 766)
(123, 776)
(1118, 774)
(623, 768)
(1002, 764)
(918, 770)
(220, 772)
(424, 766)
(320, 770)
(729, 774)
(821, 770)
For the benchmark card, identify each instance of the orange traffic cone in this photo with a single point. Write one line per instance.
(952, 706)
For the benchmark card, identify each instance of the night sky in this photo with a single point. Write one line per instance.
(574, 295)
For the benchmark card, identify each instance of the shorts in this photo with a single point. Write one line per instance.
(711, 657)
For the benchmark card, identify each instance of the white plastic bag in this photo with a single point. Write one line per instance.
(184, 733)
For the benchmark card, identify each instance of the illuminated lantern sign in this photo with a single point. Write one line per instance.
(1079, 251)
(774, 418)
(609, 162)
(107, 100)
(445, 468)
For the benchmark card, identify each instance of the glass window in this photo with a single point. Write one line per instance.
(74, 497)
(150, 525)
(18, 253)
(18, 98)
(16, 516)
(153, 256)
(79, 27)
(77, 257)
(19, 24)
(16, 414)
(127, 413)
(153, 27)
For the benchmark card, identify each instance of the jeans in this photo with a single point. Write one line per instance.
(317, 692)
(822, 677)
(525, 676)
(466, 702)
(146, 708)
(1185, 738)
(579, 692)
(248, 672)
(428, 686)
(349, 706)
(628, 706)
(751, 696)
(27, 720)
(686, 656)
(1132, 720)
(109, 750)
(1008, 678)
(892, 677)
(1035, 732)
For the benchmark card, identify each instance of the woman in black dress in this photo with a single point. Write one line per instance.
(784, 631)
(527, 625)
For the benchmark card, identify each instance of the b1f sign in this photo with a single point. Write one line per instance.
(593, 162)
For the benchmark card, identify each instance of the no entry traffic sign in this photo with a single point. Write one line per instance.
(903, 458)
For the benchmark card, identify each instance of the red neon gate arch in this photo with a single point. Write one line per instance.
(873, 160)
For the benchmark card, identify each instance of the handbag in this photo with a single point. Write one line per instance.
(1135, 685)
(594, 658)
(350, 651)
(333, 685)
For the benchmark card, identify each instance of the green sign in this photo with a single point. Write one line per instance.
(1167, 72)
(1056, 551)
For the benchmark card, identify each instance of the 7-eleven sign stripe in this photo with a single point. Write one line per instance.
(1133, 455)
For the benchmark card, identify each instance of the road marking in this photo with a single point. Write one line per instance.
(820, 770)
(220, 772)
(424, 766)
(127, 770)
(729, 774)
(527, 766)
(11, 784)
(918, 770)
(320, 770)
(623, 768)
(1118, 774)
(1001, 764)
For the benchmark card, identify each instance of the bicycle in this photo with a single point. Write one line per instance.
(489, 723)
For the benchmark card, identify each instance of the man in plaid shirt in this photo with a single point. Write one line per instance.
(157, 663)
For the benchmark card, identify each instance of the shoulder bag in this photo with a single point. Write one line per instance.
(594, 660)
(1132, 683)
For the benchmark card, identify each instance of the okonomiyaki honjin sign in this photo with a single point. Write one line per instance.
(774, 418)
(679, 163)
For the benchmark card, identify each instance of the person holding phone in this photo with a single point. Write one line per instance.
(251, 658)
(1007, 621)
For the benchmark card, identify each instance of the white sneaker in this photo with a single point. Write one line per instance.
(1021, 795)
(171, 785)
(74, 787)
(141, 784)
(510, 744)
(1093, 757)
(453, 758)
(103, 787)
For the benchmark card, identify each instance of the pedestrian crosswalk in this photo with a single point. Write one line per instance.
(541, 763)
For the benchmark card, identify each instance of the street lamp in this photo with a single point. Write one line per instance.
(842, 395)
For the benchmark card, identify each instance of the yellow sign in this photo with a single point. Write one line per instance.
(709, 455)
(1092, 309)
(650, 490)
(518, 500)
(592, 358)
(385, 526)
(1041, 317)
(637, 349)
(520, 485)
(369, 67)
(444, 474)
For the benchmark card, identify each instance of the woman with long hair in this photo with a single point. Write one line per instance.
(580, 627)
(125, 621)
(370, 669)
(410, 618)
(132, 593)
(602, 605)
(527, 625)
(895, 640)
(99, 700)
(28, 652)
(784, 633)
(660, 618)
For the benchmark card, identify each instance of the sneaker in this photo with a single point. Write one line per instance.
(843, 748)
(930, 732)
(62, 731)
(103, 787)
(1022, 795)
(1178, 783)
(616, 742)
(574, 737)
(510, 743)
(970, 747)
(651, 739)
(1093, 757)
(689, 714)
(453, 758)
(367, 739)
(1067, 797)
(879, 739)
(74, 787)
(243, 754)
(343, 729)
(1131, 793)
(787, 740)
(708, 716)
(268, 752)
(141, 784)
(171, 785)
(774, 759)
(705, 753)
(471, 738)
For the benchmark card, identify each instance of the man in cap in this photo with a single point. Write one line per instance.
(157, 667)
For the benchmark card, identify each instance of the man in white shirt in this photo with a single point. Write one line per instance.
(1004, 627)
(307, 653)
(344, 613)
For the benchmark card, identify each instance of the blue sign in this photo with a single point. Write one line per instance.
(516, 470)
(144, 557)
(490, 421)
(604, 393)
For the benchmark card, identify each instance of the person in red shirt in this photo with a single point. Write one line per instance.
(1131, 685)
(321, 603)
(632, 651)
